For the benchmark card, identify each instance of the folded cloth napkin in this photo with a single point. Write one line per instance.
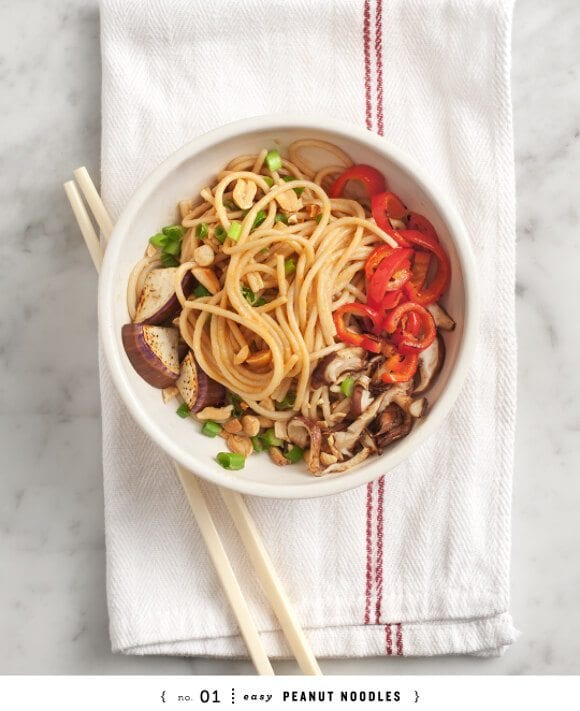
(416, 563)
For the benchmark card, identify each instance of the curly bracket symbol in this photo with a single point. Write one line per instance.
(163, 696)
(416, 696)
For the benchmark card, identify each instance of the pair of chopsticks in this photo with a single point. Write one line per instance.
(234, 502)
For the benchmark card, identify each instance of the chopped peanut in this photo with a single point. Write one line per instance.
(265, 422)
(240, 444)
(204, 255)
(289, 201)
(232, 426)
(277, 457)
(218, 414)
(244, 193)
(251, 425)
(313, 209)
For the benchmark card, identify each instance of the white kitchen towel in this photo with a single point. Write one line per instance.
(416, 563)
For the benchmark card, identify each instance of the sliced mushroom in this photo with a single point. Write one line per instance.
(336, 364)
(348, 464)
(430, 363)
(393, 424)
(442, 319)
(346, 440)
(196, 388)
(158, 302)
(360, 400)
(306, 433)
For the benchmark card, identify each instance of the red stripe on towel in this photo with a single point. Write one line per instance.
(399, 635)
(367, 55)
(369, 567)
(379, 557)
(388, 640)
(379, 62)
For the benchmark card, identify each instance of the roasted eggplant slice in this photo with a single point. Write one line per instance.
(196, 388)
(158, 302)
(152, 351)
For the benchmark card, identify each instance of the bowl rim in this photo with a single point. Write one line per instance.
(325, 485)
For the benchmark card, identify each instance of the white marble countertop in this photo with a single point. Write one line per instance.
(52, 598)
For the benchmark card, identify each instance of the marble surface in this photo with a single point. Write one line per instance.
(52, 597)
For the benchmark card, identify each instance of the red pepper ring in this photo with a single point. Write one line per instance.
(391, 300)
(438, 285)
(391, 275)
(416, 221)
(411, 327)
(398, 367)
(385, 206)
(375, 258)
(368, 341)
(373, 181)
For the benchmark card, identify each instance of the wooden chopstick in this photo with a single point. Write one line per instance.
(236, 506)
(197, 501)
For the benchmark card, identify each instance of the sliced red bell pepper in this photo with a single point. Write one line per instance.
(391, 275)
(388, 205)
(427, 294)
(375, 258)
(416, 221)
(373, 181)
(420, 268)
(368, 341)
(398, 367)
(411, 327)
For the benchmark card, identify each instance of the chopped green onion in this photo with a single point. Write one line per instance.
(211, 428)
(260, 217)
(257, 444)
(158, 240)
(231, 460)
(174, 232)
(236, 402)
(249, 295)
(347, 386)
(270, 439)
(294, 454)
(268, 180)
(220, 234)
(273, 160)
(264, 251)
(172, 247)
(260, 302)
(200, 291)
(281, 217)
(202, 230)
(287, 403)
(289, 266)
(182, 411)
(289, 179)
(235, 231)
(168, 260)
(318, 218)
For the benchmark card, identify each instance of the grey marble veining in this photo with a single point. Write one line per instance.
(52, 598)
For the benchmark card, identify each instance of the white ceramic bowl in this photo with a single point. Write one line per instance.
(182, 175)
